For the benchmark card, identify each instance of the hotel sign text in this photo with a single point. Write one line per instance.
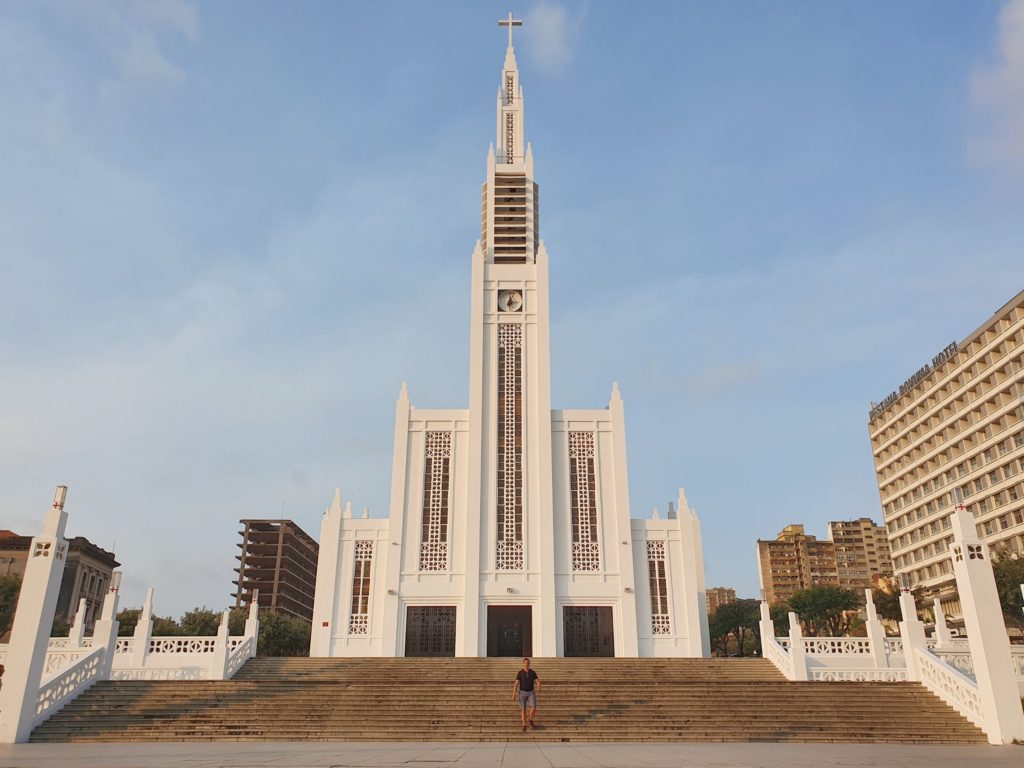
(913, 381)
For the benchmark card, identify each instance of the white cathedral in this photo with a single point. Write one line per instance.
(509, 532)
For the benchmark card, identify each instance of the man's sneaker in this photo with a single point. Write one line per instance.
(524, 729)
(531, 724)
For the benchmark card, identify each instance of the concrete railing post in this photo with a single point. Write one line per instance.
(875, 632)
(77, 631)
(986, 631)
(105, 629)
(221, 651)
(797, 654)
(912, 632)
(766, 625)
(252, 623)
(30, 634)
(943, 637)
(143, 632)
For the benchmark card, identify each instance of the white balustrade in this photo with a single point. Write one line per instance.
(960, 659)
(831, 646)
(244, 650)
(777, 654)
(952, 686)
(124, 645)
(894, 646)
(60, 688)
(828, 674)
(178, 645)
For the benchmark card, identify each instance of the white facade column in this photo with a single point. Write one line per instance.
(30, 634)
(875, 632)
(622, 537)
(104, 630)
(328, 565)
(797, 654)
(943, 637)
(545, 618)
(912, 632)
(986, 631)
(386, 593)
(143, 632)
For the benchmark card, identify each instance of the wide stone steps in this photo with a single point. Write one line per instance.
(470, 700)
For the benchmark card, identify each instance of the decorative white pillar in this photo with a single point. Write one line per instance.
(104, 631)
(912, 632)
(875, 632)
(986, 631)
(796, 648)
(143, 632)
(30, 635)
(77, 631)
(943, 637)
(218, 669)
(252, 623)
(766, 625)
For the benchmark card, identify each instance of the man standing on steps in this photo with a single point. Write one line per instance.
(526, 687)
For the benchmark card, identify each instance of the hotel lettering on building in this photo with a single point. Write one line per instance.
(958, 423)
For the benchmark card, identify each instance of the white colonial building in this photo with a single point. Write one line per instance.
(509, 532)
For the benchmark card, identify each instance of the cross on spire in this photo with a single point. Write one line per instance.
(510, 22)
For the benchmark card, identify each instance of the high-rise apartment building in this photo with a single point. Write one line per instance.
(862, 552)
(719, 596)
(955, 424)
(795, 561)
(278, 558)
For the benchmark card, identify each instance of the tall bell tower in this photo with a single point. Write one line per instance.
(510, 378)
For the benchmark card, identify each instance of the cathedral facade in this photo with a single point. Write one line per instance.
(509, 531)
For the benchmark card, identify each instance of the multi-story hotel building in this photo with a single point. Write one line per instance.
(955, 424)
(862, 552)
(795, 561)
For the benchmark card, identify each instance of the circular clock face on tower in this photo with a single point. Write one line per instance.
(510, 301)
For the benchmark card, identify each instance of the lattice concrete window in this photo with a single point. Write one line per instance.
(510, 88)
(436, 483)
(586, 554)
(661, 623)
(510, 138)
(509, 553)
(359, 623)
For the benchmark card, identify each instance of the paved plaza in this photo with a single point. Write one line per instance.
(510, 755)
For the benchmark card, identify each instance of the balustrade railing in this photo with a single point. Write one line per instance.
(777, 654)
(67, 683)
(951, 685)
(829, 646)
(871, 675)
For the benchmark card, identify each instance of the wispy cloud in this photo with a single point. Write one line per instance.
(997, 93)
(134, 35)
(550, 34)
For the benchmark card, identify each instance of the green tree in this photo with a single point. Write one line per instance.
(1009, 573)
(164, 626)
(200, 621)
(10, 586)
(825, 611)
(886, 595)
(59, 628)
(737, 620)
(236, 621)
(282, 635)
(127, 618)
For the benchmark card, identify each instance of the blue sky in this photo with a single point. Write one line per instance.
(229, 231)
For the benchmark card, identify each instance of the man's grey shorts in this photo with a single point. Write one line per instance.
(527, 699)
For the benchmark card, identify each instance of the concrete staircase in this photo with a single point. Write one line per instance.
(298, 699)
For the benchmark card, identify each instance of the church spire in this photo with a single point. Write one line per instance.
(509, 222)
(511, 149)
